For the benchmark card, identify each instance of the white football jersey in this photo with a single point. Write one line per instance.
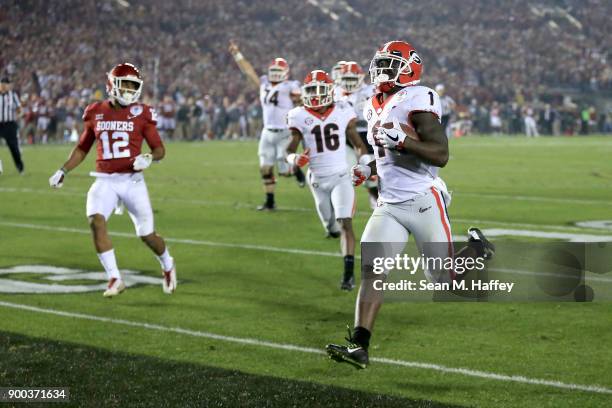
(402, 176)
(357, 100)
(276, 101)
(324, 135)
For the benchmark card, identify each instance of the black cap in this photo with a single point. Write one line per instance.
(5, 80)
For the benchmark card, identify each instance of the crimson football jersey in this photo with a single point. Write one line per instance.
(119, 132)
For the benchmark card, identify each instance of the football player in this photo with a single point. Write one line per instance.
(118, 126)
(335, 73)
(353, 89)
(323, 127)
(277, 95)
(410, 146)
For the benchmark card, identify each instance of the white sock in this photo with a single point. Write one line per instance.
(165, 260)
(108, 261)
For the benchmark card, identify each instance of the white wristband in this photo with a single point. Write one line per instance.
(238, 56)
(291, 158)
(365, 159)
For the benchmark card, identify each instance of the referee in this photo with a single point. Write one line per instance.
(9, 110)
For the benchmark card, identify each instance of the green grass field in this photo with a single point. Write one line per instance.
(258, 294)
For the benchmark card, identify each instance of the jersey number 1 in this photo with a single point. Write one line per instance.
(119, 142)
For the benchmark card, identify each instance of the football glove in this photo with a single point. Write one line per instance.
(57, 179)
(142, 161)
(360, 173)
(393, 138)
(365, 159)
(299, 160)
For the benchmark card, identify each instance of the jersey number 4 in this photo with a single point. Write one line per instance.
(115, 147)
(329, 135)
(271, 99)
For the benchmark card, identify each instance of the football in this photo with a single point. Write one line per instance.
(409, 130)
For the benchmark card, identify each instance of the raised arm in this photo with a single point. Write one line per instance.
(245, 66)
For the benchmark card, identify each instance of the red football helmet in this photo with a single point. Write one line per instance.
(351, 76)
(335, 71)
(278, 70)
(115, 84)
(318, 90)
(395, 64)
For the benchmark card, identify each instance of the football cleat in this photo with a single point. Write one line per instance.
(348, 282)
(332, 234)
(476, 235)
(169, 281)
(299, 177)
(266, 207)
(115, 287)
(351, 353)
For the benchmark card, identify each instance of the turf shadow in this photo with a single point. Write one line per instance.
(101, 378)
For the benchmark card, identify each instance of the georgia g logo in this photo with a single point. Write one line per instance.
(414, 57)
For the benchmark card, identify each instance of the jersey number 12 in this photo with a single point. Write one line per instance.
(119, 142)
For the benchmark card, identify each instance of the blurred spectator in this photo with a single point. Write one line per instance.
(493, 57)
(531, 128)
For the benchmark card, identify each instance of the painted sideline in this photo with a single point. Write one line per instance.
(291, 347)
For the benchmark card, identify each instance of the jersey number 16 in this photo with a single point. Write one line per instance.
(329, 135)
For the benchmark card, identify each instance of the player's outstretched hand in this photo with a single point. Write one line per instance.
(233, 47)
(57, 179)
(360, 173)
(391, 137)
(142, 161)
(299, 160)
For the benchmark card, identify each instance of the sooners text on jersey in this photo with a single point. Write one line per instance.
(119, 133)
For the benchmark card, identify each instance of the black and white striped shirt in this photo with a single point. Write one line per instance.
(9, 102)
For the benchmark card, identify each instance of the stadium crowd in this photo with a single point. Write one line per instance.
(500, 61)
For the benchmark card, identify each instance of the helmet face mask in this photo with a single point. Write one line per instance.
(278, 70)
(336, 71)
(277, 74)
(317, 94)
(387, 68)
(124, 84)
(395, 64)
(350, 77)
(126, 95)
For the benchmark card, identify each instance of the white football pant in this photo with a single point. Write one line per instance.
(425, 217)
(334, 197)
(108, 190)
(273, 149)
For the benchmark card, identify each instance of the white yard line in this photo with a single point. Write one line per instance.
(266, 248)
(234, 204)
(177, 240)
(301, 349)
